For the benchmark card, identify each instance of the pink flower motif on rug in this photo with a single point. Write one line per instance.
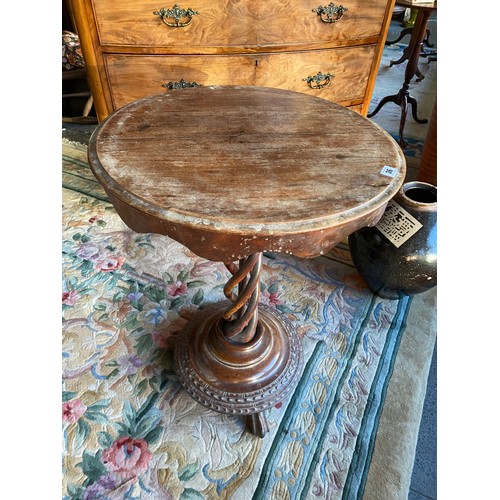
(72, 411)
(70, 298)
(110, 263)
(127, 457)
(177, 288)
(271, 299)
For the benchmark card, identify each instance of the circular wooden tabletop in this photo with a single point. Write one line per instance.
(245, 169)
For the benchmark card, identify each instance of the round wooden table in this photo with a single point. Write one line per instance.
(232, 172)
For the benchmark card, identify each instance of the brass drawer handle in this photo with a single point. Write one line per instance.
(181, 17)
(318, 81)
(180, 85)
(331, 13)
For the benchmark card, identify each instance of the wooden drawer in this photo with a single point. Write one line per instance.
(350, 67)
(293, 23)
(134, 76)
(133, 22)
(233, 24)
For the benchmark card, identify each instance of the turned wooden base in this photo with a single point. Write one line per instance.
(239, 378)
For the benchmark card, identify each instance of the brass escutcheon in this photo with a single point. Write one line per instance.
(319, 80)
(331, 13)
(180, 85)
(181, 17)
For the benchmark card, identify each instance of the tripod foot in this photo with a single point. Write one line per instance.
(420, 75)
(413, 102)
(386, 99)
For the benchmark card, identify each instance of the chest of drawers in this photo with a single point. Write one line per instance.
(136, 48)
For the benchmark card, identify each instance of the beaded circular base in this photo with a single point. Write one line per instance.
(237, 378)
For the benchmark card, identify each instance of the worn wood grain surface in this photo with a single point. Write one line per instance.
(229, 171)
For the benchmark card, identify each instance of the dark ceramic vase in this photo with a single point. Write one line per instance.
(398, 256)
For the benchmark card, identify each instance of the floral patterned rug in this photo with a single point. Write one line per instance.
(131, 432)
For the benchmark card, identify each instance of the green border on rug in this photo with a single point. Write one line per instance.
(360, 463)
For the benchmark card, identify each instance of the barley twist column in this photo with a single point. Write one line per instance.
(241, 317)
(240, 357)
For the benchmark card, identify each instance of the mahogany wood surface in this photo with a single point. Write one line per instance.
(230, 171)
(427, 169)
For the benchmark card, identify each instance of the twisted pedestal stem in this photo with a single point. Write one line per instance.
(241, 317)
(241, 358)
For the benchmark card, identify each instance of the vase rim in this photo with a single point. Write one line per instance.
(430, 201)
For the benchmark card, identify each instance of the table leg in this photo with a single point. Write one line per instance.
(404, 57)
(403, 97)
(240, 357)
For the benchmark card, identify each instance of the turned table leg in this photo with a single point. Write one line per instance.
(403, 97)
(240, 357)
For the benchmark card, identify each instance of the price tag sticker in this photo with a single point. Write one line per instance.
(389, 171)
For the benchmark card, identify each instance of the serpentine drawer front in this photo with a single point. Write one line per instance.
(213, 23)
(343, 73)
(135, 48)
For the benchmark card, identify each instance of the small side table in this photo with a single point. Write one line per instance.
(403, 97)
(406, 52)
(232, 172)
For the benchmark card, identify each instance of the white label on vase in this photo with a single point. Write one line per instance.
(389, 171)
(397, 225)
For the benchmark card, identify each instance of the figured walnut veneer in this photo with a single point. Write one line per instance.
(131, 53)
